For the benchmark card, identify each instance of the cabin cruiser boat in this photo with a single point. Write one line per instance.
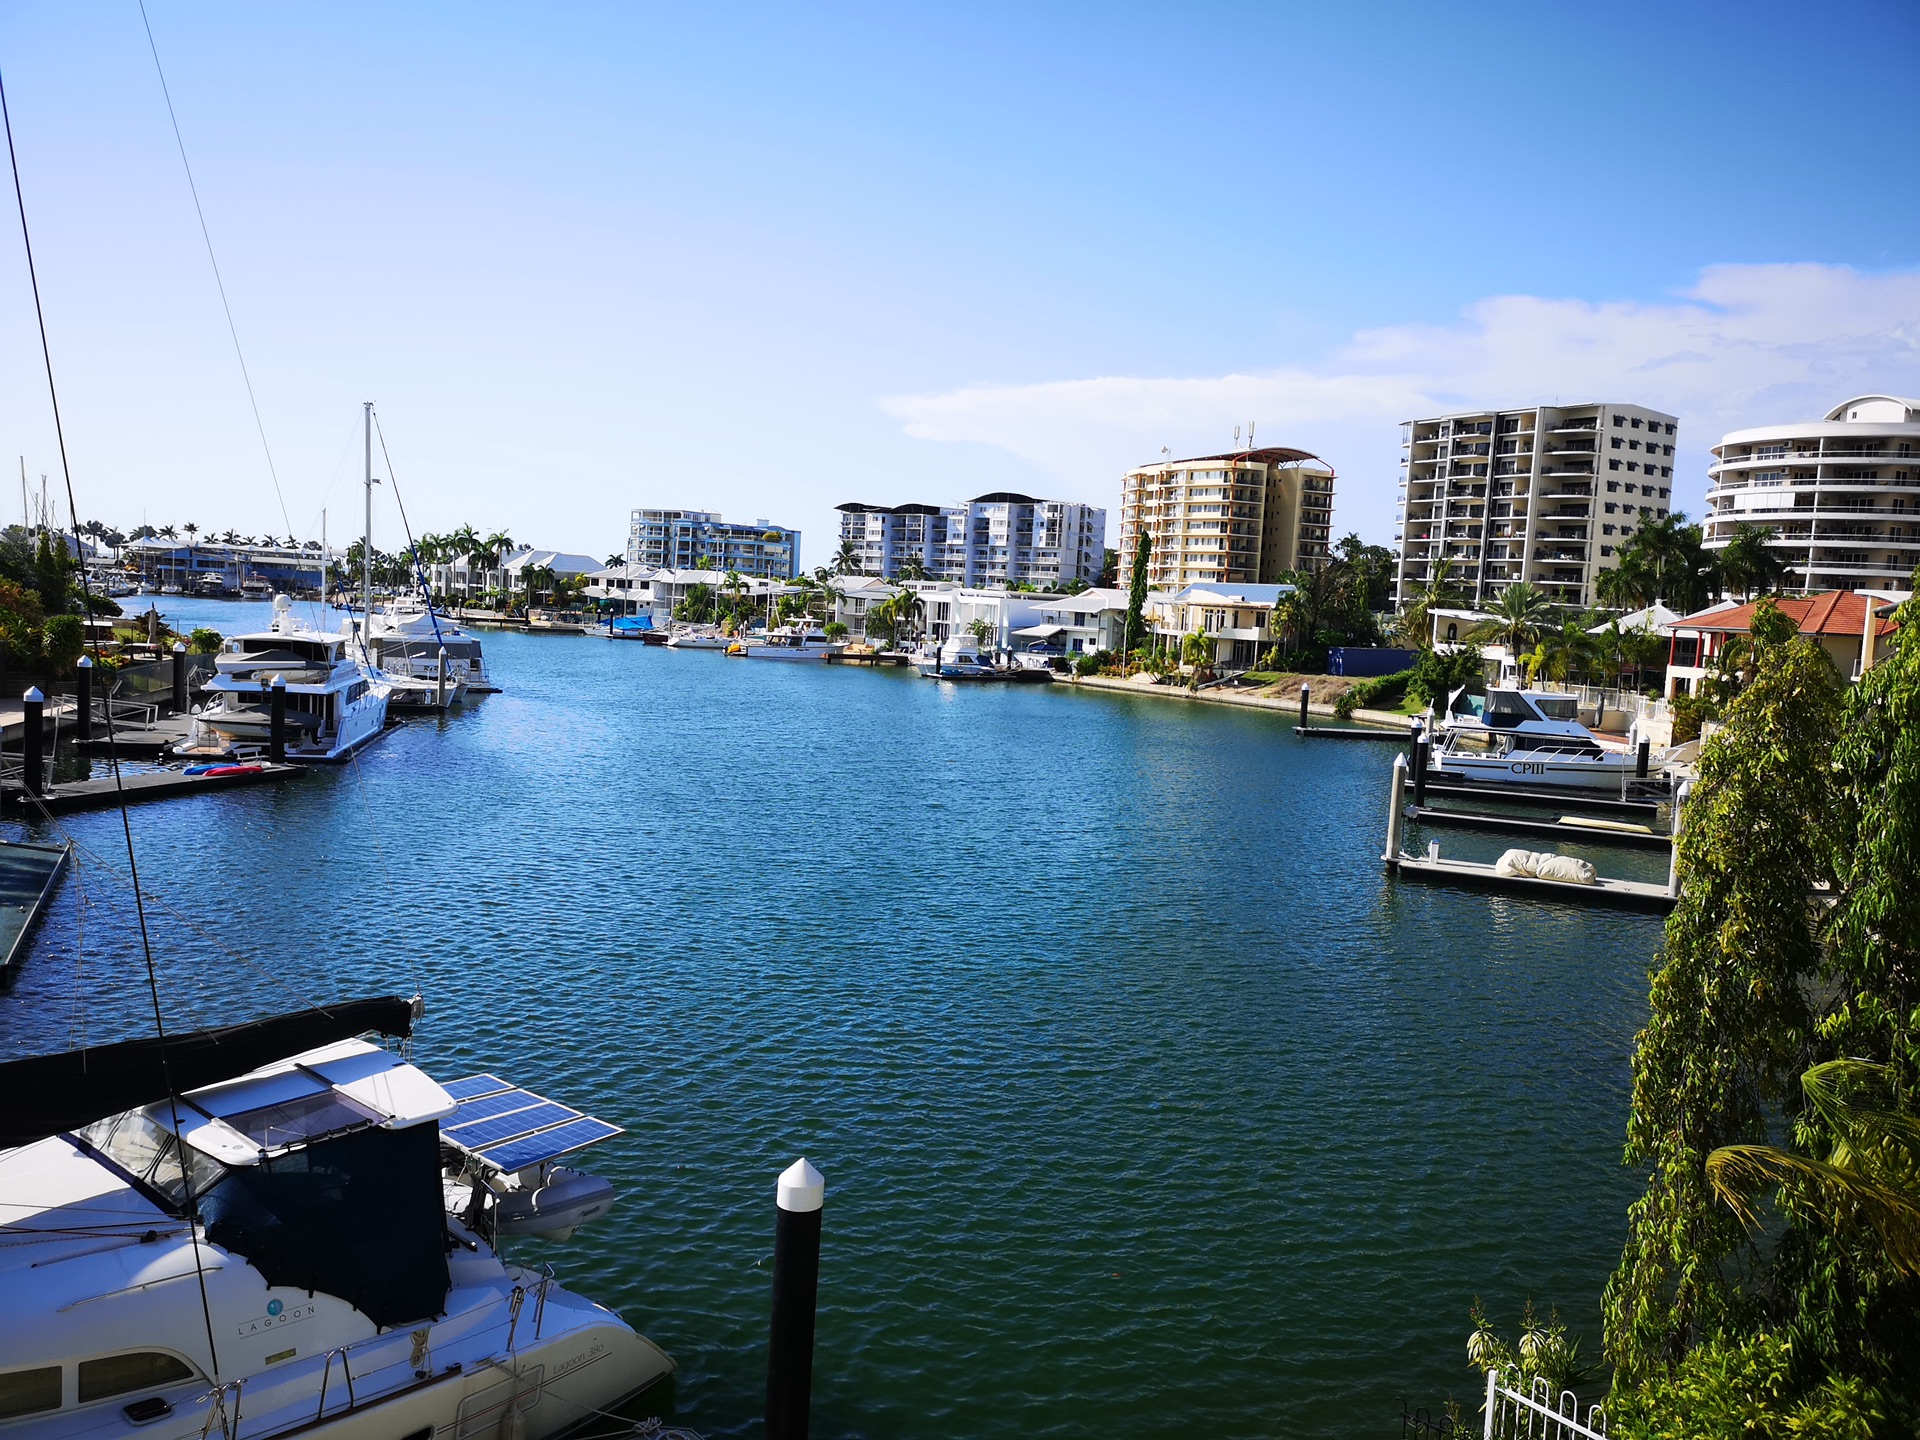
(1524, 737)
(703, 638)
(958, 658)
(307, 1231)
(632, 627)
(787, 642)
(334, 703)
(406, 640)
(254, 588)
(212, 585)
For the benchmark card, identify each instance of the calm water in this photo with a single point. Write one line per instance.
(1145, 1103)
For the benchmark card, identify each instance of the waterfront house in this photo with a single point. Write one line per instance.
(1083, 624)
(1240, 619)
(1851, 626)
(855, 595)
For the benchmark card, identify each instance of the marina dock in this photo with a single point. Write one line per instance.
(1566, 827)
(29, 874)
(1472, 874)
(1351, 732)
(62, 799)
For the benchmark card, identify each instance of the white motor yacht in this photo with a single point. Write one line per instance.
(301, 1238)
(958, 658)
(803, 641)
(406, 639)
(1524, 738)
(335, 704)
(697, 638)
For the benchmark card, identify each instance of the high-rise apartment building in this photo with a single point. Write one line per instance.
(1841, 495)
(685, 539)
(1240, 518)
(997, 539)
(1547, 495)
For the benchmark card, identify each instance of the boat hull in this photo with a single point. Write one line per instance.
(1605, 774)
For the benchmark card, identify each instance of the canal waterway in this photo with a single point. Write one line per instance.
(1146, 1103)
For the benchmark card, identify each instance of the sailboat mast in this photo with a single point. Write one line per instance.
(366, 542)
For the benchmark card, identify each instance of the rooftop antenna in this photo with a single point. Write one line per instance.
(1249, 434)
(1236, 437)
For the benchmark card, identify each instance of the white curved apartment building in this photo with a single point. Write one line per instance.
(1841, 494)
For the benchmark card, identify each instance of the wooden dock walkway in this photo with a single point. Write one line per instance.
(1473, 874)
(1534, 799)
(1351, 732)
(29, 874)
(62, 799)
(137, 742)
(1566, 827)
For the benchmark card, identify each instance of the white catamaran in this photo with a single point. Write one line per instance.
(280, 1228)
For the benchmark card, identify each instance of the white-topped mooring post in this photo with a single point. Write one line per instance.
(1394, 788)
(440, 685)
(1680, 798)
(1304, 692)
(277, 721)
(32, 768)
(179, 677)
(801, 1194)
(83, 694)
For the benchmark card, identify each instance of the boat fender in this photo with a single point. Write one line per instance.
(213, 771)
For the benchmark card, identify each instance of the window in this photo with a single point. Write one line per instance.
(1633, 445)
(1615, 442)
(1632, 465)
(1619, 420)
(1612, 465)
(1666, 470)
(22, 1392)
(1669, 429)
(1606, 549)
(1636, 422)
(142, 1370)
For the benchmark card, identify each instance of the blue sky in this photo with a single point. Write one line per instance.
(762, 260)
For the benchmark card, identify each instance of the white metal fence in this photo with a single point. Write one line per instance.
(1536, 1413)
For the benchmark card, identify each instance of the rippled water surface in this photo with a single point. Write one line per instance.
(1145, 1102)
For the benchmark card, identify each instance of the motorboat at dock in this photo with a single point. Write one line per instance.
(787, 642)
(308, 1231)
(1529, 738)
(960, 657)
(406, 638)
(698, 637)
(334, 704)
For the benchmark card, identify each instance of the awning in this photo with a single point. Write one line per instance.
(1042, 632)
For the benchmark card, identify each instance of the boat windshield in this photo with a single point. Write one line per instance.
(148, 1151)
(1507, 708)
(1557, 707)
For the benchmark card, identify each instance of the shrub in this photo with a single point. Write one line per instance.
(1688, 713)
(204, 641)
(1380, 691)
(835, 630)
(66, 640)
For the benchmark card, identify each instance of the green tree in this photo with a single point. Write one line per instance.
(1748, 565)
(1436, 592)
(1137, 595)
(1731, 1019)
(1519, 613)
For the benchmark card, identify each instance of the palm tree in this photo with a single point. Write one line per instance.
(1518, 614)
(1437, 592)
(1749, 564)
(1870, 1176)
(169, 532)
(846, 560)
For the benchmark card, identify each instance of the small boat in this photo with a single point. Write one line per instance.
(310, 1236)
(172, 590)
(212, 586)
(411, 693)
(697, 639)
(958, 658)
(1524, 738)
(254, 588)
(787, 642)
(631, 627)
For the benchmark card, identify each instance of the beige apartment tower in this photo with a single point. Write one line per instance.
(1240, 518)
(1547, 494)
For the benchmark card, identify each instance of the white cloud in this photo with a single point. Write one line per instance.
(1747, 345)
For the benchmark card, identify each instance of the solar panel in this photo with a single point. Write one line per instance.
(474, 1086)
(527, 1150)
(487, 1106)
(510, 1127)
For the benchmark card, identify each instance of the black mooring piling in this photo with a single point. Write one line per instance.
(1420, 757)
(1640, 760)
(83, 685)
(277, 721)
(179, 677)
(796, 1291)
(32, 768)
(1304, 692)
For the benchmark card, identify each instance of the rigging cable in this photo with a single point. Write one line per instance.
(119, 783)
(419, 571)
(219, 284)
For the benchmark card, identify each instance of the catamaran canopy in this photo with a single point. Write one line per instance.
(48, 1094)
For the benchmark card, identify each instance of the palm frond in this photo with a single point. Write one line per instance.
(1736, 1172)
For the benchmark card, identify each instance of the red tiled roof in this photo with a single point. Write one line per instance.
(1836, 612)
